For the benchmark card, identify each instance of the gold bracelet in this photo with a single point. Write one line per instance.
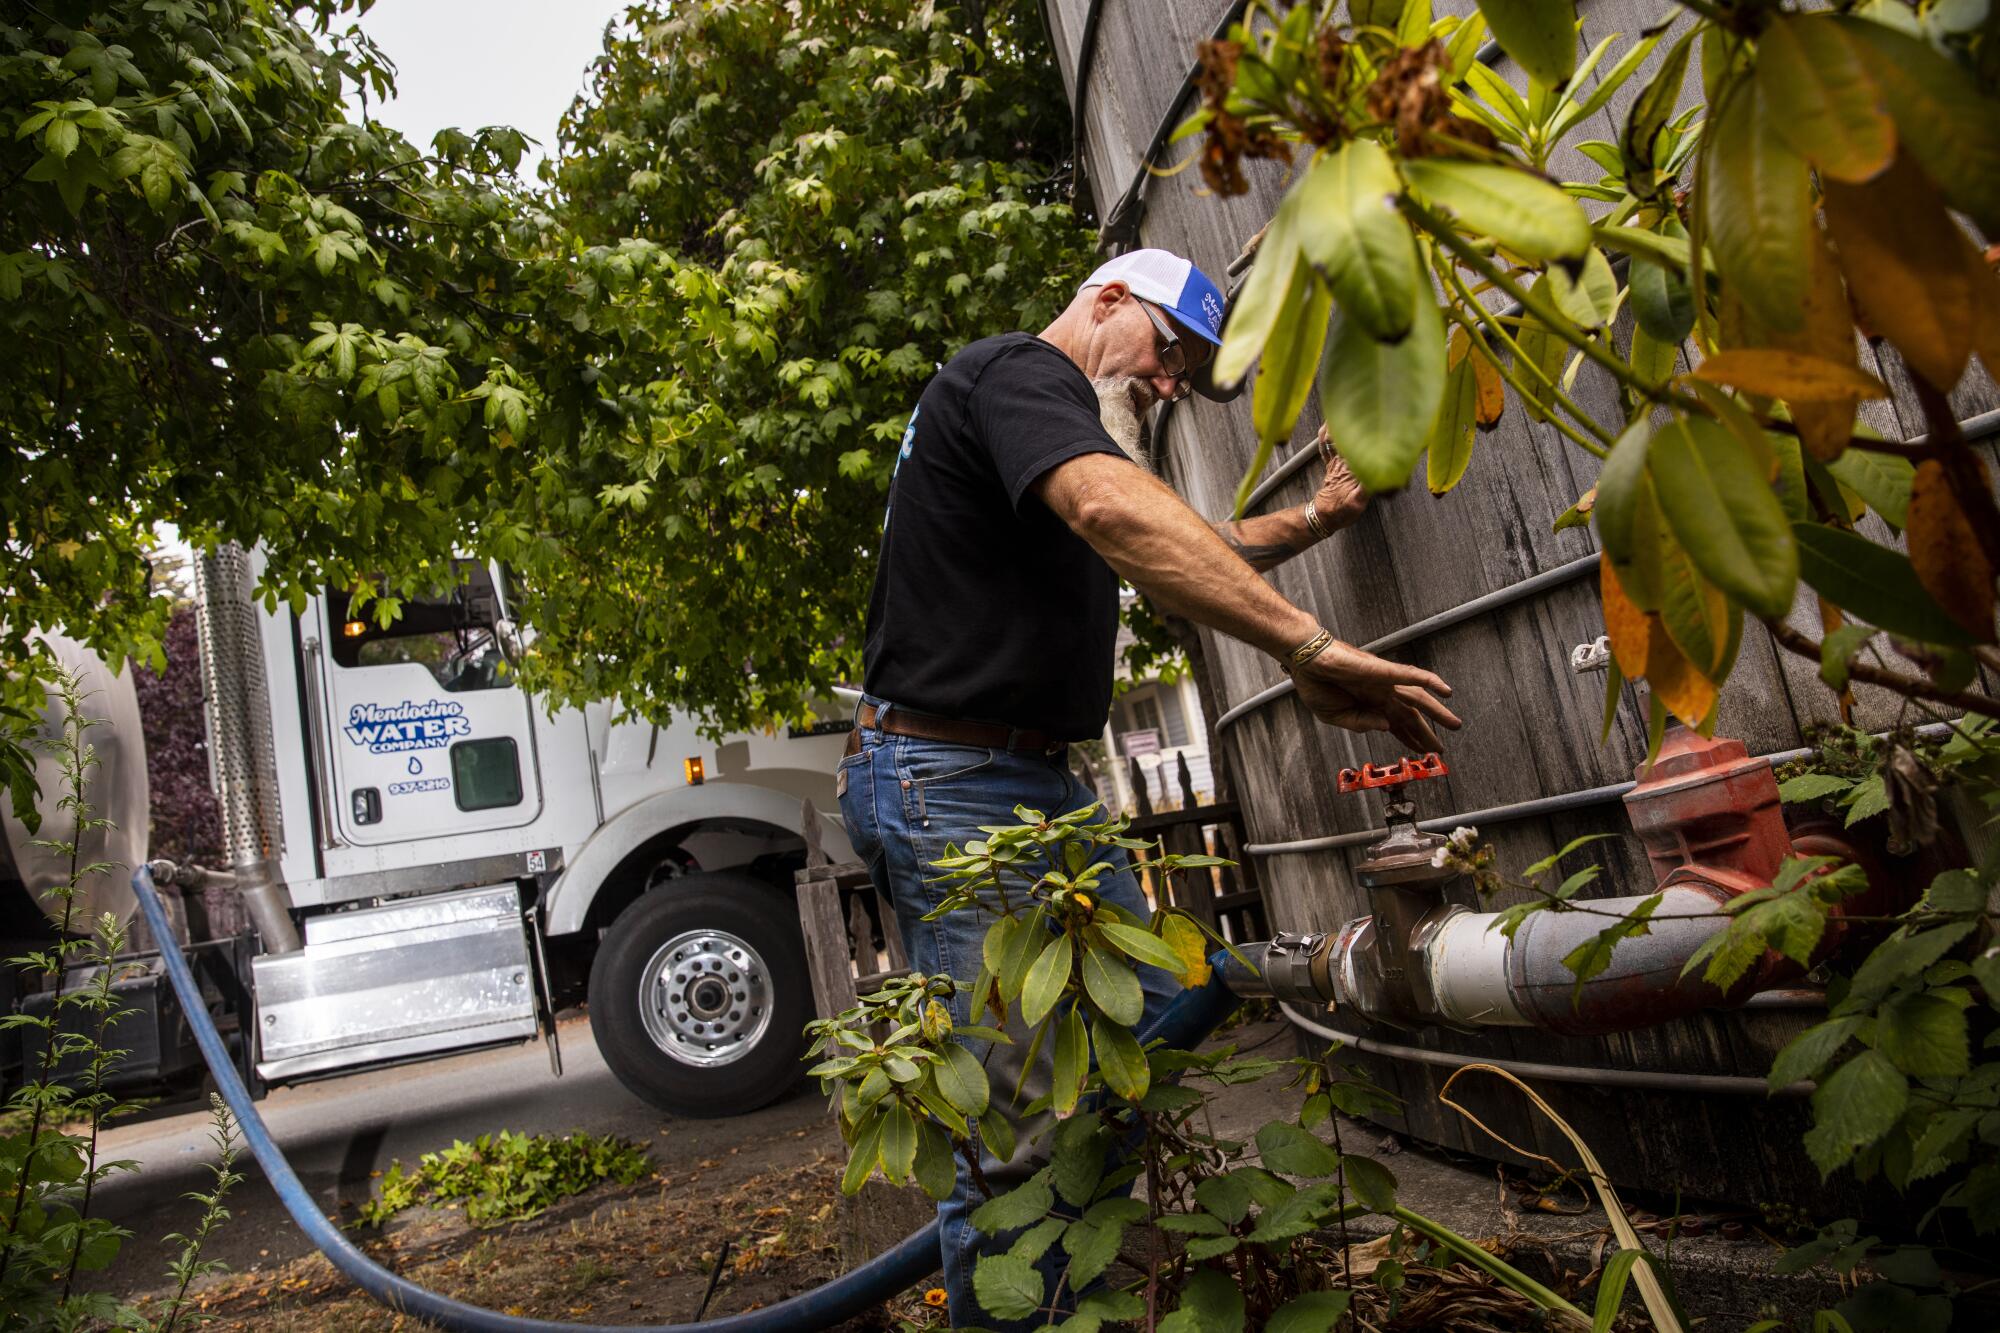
(1306, 651)
(1314, 523)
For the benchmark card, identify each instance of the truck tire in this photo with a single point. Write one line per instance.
(699, 995)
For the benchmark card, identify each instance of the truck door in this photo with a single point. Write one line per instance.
(428, 735)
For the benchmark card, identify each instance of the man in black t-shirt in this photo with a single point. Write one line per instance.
(1014, 512)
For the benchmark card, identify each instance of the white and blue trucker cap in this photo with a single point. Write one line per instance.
(1165, 279)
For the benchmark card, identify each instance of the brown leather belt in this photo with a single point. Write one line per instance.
(924, 726)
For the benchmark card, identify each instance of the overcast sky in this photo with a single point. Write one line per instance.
(480, 62)
(470, 63)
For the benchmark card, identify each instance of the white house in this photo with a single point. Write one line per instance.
(1156, 722)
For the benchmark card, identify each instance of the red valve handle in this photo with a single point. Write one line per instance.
(1391, 775)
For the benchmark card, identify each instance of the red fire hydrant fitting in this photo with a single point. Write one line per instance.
(1713, 826)
(1707, 803)
(1710, 813)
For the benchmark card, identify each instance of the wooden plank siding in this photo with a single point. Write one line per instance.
(1532, 724)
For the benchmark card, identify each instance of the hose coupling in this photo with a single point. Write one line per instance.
(1289, 966)
(189, 876)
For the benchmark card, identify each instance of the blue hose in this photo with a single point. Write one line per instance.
(1192, 1015)
(1196, 1011)
(849, 1294)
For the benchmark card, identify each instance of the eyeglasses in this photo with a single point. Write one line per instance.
(1173, 360)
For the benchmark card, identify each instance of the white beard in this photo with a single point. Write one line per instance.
(1122, 419)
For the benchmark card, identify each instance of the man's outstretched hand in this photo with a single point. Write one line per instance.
(1346, 687)
(1340, 498)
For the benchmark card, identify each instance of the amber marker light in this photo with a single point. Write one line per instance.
(693, 767)
(354, 629)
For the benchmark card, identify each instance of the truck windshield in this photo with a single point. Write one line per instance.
(451, 637)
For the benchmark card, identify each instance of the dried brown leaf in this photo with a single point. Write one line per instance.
(1904, 260)
(1492, 392)
(1794, 376)
(1946, 553)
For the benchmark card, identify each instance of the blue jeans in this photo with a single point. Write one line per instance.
(903, 800)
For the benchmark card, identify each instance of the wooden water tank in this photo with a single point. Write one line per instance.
(1531, 722)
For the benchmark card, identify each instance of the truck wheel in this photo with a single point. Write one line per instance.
(699, 995)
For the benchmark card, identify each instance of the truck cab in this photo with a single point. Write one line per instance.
(444, 859)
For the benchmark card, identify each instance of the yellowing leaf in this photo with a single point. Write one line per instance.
(1349, 229)
(1190, 946)
(1625, 623)
(1945, 551)
(1291, 357)
(1492, 389)
(1904, 260)
(1686, 692)
(1830, 108)
(1589, 299)
(1520, 210)
(1629, 523)
(1694, 613)
(1827, 333)
(1450, 447)
(1794, 376)
(1943, 120)
(1757, 203)
(1254, 312)
(1547, 352)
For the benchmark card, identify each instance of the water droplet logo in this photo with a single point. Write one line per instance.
(416, 764)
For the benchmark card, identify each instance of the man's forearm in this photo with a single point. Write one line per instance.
(1167, 551)
(1267, 540)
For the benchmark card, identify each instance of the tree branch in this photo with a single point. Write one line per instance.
(1910, 687)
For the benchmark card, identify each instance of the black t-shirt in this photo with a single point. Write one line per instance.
(986, 606)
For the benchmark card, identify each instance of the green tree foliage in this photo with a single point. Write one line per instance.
(830, 200)
(669, 394)
(232, 309)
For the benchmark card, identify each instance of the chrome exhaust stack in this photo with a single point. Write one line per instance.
(243, 765)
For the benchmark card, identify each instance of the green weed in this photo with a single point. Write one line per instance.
(507, 1177)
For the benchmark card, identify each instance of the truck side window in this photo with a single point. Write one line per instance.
(451, 637)
(486, 774)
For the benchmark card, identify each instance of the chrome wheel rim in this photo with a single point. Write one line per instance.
(705, 998)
